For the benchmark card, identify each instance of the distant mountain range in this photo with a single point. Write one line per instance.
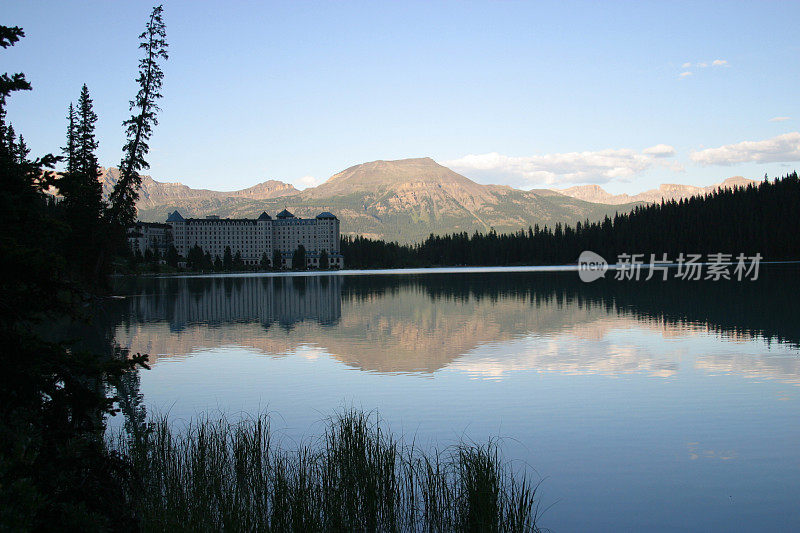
(667, 191)
(403, 200)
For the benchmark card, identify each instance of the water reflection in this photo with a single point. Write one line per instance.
(647, 406)
(486, 325)
(217, 301)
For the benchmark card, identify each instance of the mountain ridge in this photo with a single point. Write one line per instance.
(398, 200)
(665, 191)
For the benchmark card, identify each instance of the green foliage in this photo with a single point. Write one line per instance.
(276, 259)
(220, 476)
(264, 263)
(323, 260)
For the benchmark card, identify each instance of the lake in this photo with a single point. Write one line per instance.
(660, 405)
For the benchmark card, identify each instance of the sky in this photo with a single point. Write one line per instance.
(627, 95)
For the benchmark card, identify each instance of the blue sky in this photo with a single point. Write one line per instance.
(529, 94)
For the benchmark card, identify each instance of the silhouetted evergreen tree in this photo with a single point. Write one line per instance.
(70, 149)
(299, 258)
(227, 259)
(55, 471)
(139, 127)
(276, 260)
(83, 195)
(264, 263)
(195, 259)
(323, 260)
(172, 256)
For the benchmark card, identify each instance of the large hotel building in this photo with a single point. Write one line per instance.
(250, 237)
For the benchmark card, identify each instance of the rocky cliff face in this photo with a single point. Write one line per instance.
(667, 191)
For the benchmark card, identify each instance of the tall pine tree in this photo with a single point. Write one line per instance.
(82, 192)
(69, 150)
(139, 127)
(86, 145)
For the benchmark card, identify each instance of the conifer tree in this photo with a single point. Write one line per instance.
(82, 191)
(86, 144)
(70, 149)
(227, 258)
(299, 258)
(139, 127)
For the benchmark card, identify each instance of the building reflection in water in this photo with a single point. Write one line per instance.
(490, 324)
(222, 300)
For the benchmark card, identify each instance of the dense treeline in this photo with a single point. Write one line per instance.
(56, 471)
(758, 218)
(198, 260)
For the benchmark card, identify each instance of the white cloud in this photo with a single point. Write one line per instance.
(306, 182)
(660, 150)
(779, 119)
(672, 165)
(700, 65)
(780, 149)
(599, 166)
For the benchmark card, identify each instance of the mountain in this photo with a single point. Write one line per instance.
(155, 193)
(667, 191)
(403, 200)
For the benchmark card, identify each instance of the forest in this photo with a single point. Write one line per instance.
(758, 218)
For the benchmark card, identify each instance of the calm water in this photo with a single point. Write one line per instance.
(641, 405)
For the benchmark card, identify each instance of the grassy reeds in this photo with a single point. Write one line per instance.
(216, 475)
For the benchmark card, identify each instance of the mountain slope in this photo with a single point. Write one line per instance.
(155, 193)
(403, 200)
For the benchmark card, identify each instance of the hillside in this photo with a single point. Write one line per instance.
(403, 200)
(155, 193)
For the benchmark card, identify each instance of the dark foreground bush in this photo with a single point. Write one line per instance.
(217, 475)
